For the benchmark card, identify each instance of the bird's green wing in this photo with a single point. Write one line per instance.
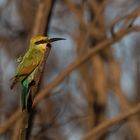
(30, 61)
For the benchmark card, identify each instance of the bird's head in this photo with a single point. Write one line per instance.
(43, 41)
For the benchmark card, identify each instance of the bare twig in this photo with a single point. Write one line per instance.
(128, 20)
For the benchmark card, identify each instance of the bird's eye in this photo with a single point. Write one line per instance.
(40, 42)
(49, 45)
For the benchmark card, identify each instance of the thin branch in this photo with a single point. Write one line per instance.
(102, 128)
(9, 123)
(128, 20)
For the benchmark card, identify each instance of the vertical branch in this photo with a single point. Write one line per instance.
(42, 17)
(95, 81)
(115, 82)
(40, 25)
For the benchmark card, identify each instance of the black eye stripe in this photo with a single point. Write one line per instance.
(40, 42)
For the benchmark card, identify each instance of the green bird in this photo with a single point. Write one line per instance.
(29, 64)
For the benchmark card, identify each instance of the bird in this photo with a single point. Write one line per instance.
(30, 63)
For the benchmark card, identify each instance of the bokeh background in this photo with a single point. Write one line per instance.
(99, 89)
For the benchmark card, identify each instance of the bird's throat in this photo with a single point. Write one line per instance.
(42, 46)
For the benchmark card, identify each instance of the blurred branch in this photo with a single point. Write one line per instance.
(97, 8)
(102, 128)
(77, 11)
(10, 122)
(128, 20)
(124, 103)
(42, 17)
(78, 62)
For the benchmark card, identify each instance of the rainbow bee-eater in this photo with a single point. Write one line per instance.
(30, 63)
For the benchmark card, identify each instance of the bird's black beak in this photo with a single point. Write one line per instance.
(55, 39)
(48, 40)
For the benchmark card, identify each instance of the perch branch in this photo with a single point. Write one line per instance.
(40, 23)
